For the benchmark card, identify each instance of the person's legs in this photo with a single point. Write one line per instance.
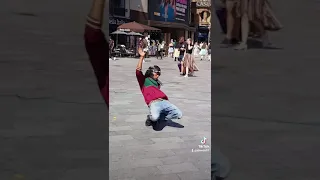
(187, 71)
(180, 65)
(221, 14)
(181, 68)
(170, 111)
(155, 110)
(162, 109)
(227, 42)
(230, 18)
(244, 32)
(264, 34)
(245, 27)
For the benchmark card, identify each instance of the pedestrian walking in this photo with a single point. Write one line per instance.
(258, 14)
(189, 65)
(159, 105)
(176, 52)
(182, 50)
(196, 49)
(111, 47)
(163, 48)
(204, 51)
(159, 50)
(171, 48)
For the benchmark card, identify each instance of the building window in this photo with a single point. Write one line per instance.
(117, 7)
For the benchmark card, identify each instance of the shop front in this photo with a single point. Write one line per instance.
(114, 22)
(202, 16)
(202, 34)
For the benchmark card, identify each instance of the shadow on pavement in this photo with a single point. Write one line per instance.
(255, 44)
(159, 125)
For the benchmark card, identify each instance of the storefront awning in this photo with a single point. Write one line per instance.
(171, 25)
(137, 27)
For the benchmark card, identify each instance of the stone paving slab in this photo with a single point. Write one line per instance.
(132, 145)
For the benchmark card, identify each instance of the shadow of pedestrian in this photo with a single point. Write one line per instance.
(160, 124)
(256, 44)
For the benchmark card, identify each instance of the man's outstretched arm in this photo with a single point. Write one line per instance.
(139, 74)
(97, 47)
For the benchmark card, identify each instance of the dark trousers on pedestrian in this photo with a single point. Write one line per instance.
(222, 17)
(159, 53)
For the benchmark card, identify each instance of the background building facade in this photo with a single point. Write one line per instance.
(201, 11)
(173, 17)
(119, 13)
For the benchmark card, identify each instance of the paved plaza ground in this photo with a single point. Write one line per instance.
(140, 152)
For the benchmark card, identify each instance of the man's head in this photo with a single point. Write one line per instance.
(153, 72)
(145, 35)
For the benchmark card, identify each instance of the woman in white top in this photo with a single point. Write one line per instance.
(171, 48)
(196, 50)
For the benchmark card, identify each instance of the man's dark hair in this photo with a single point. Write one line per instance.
(151, 70)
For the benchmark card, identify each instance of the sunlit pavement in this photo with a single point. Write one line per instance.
(142, 153)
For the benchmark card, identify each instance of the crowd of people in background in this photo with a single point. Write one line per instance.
(182, 51)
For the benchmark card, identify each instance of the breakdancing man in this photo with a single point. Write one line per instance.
(157, 101)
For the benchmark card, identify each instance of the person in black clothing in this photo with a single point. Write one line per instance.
(221, 12)
(182, 49)
(159, 50)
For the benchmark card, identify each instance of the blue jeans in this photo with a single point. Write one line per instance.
(164, 110)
